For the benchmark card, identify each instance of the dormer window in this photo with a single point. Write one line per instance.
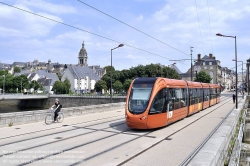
(204, 63)
(210, 63)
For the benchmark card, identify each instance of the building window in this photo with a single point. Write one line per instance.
(204, 63)
(205, 67)
(211, 67)
(210, 63)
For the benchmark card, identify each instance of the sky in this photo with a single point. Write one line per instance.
(171, 28)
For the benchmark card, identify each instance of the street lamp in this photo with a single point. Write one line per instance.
(22, 84)
(120, 45)
(191, 63)
(3, 84)
(236, 91)
(248, 63)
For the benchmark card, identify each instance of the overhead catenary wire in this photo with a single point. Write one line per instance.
(132, 27)
(68, 25)
(199, 27)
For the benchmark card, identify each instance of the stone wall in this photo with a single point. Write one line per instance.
(16, 118)
(81, 101)
(15, 105)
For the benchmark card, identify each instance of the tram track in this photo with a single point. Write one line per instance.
(198, 148)
(94, 130)
(132, 157)
(114, 147)
(177, 131)
(33, 132)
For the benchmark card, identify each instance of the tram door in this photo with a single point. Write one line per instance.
(158, 110)
(191, 101)
(196, 99)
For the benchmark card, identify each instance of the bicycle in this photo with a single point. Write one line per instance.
(50, 118)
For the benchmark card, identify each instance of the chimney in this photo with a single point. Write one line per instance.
(199, 57)
(214, 57)
(210, 55)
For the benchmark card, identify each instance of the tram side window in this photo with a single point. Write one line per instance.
(178, 97)
(184, 98)
(206, 94)
(159, 102)
(171, 99)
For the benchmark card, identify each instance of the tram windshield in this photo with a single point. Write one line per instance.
(139, 97)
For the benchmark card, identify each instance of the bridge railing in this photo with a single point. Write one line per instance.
(90, 96)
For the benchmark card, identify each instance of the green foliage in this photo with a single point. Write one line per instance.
(117, 86)
(109, 68)
(202, 76)
(59, 76)
(3, 72)
(35, 85)
(127, 84)
(17, 70)
(62, 87)
(100, 85)
(126, 76)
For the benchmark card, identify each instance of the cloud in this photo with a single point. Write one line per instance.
(48, 7)
(140, 18)
(21, 24)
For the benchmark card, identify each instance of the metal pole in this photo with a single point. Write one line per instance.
(247, 77)
(236, 88)
(21, 85)
(191, 63)
(111, 79)
(4, 84)
(242, 73)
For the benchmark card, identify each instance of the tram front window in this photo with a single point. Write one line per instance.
(139, 97)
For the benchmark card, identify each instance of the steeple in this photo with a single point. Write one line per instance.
(83, 57)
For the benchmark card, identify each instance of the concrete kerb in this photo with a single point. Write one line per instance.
(216, 148)
(15, 118)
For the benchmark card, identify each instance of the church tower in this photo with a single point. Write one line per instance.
(83, 57)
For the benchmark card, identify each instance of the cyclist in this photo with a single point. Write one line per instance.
(57, 109)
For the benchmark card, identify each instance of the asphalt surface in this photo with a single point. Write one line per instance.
(104, 139)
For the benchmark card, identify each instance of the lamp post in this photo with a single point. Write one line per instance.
(191, 63)
(3, 84)
(120, 45)
(248, 63)
(21, 84)
(236, 91)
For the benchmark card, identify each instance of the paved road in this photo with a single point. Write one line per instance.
(104, 139)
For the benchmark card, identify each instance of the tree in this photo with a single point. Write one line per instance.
(100, 85)
(67, 85)
(202, 76)
(127, 84)
(17, 70)
(117, 86)
(109, 68)
(58, 87)
(62, 87)
(170, 73)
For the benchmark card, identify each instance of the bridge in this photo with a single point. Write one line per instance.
(103, 138)
(23, 96)
(18, 102)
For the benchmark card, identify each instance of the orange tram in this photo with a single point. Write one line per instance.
(157, 102)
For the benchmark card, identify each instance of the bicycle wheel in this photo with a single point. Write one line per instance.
(60, 117)
(48, 119)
